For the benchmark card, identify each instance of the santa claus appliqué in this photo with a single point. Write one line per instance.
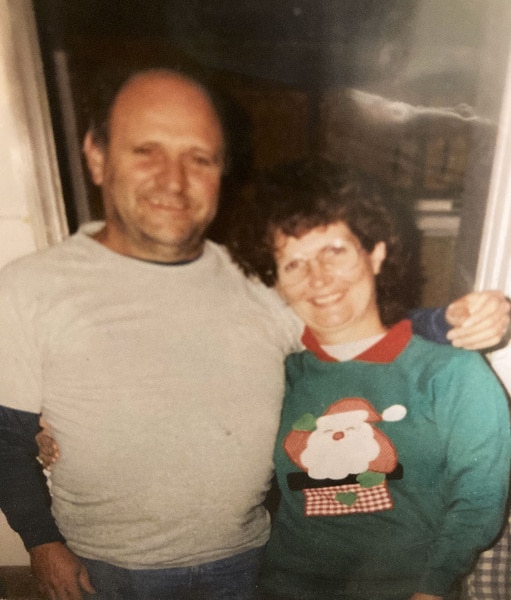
(346, 458)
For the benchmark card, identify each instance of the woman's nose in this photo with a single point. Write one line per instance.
(317, 273)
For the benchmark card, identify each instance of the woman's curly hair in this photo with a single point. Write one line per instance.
(315, 192)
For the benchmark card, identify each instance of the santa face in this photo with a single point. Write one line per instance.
(342, 444)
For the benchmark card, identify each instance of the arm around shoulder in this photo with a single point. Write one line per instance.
(479, 320)
(476, 321)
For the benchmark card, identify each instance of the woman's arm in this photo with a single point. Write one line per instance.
(472, 415)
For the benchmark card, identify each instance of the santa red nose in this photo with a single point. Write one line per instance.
(338, 435)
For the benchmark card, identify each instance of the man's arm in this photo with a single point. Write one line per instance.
(24, 496)
(476, 321)
(430, 323)
(25, 501)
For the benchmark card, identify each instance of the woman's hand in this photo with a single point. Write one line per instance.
(48, 448)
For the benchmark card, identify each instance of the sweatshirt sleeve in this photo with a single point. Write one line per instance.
(24, 495)
(430, 323)
(473, 413)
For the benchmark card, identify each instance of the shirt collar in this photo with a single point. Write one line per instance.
(384, 351)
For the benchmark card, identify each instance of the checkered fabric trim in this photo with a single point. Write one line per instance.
(321, 502)
(491, 577)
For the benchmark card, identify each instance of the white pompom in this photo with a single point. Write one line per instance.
(396, 412)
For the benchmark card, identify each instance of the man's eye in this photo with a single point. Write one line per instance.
(142, 150)
(202, 160)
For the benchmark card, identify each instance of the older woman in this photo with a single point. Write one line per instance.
(393, 452)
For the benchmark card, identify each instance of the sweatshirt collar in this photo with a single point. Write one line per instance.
(384, 351)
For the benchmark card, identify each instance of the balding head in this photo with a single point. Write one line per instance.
(104, 95)
(160, 169)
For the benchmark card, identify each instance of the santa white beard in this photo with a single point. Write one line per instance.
(329, 458)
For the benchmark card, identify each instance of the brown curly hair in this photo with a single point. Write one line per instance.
(314, 192)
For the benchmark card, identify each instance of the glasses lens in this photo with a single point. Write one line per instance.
(339, 256)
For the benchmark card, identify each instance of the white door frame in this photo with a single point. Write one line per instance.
(30, 132)
(494, 265)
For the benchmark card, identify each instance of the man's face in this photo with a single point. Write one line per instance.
(161, 170)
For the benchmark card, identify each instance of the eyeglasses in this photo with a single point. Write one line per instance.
(339, 256)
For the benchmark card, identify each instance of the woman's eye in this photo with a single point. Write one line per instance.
(293, 265)
(334, 250)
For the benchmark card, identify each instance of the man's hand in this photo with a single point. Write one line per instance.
(59, 573)
(48, 449)
(479, 320)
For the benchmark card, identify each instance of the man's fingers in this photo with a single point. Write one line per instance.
(479, 320)
(476, 342)
(84, 581)
(457, 313)
(492, 308)
(483, 335)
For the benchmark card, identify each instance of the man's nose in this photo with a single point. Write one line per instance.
(172, 173)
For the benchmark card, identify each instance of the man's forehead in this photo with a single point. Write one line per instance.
(162, 87)
(163, 96)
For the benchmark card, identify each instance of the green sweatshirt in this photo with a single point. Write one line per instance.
(418, 487)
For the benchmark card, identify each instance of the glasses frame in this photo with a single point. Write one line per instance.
(330, 258)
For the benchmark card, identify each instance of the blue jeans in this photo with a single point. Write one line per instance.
(232, 578)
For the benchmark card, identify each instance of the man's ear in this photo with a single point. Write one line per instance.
(377, 256)
(95, 156)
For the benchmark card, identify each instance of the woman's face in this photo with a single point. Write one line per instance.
(328, 280)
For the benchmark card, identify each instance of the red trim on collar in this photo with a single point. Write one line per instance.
(384, 351)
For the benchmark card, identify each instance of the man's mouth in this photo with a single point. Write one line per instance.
(176, 204)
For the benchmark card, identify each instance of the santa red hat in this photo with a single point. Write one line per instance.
(396, 412)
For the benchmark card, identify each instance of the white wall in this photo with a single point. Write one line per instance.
(31, 207)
